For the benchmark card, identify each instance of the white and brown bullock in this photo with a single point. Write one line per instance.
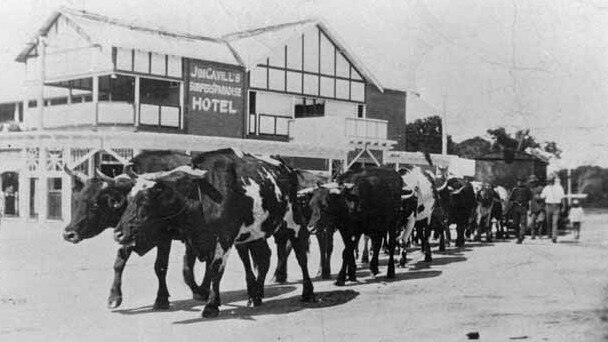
(258, 201)
(421, 185)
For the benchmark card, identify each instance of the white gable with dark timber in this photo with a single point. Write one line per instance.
(70, 53)
(65, 35)
(301, 58)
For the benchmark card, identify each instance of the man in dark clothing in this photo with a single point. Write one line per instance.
(520, 202)
(536, 205)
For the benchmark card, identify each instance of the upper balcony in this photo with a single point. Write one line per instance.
(335, 131)
(110, 100)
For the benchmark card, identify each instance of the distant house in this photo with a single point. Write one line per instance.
(493, 168)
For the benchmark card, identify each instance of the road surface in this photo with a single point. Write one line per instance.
(51, 290)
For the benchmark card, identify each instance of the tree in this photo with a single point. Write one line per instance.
(519, 142)
(424, 135)
(473, 148)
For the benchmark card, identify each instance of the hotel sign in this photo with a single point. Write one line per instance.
(215, 96)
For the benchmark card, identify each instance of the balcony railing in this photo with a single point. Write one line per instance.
(336, 130)
(366, 128)
(78, 114)
(269, 124)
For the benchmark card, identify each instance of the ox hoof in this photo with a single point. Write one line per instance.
(339, 282)
(365, 259)
(428, 259)
(254, 301)
(210, 311)
(280, 279)
(201, 297)
(114, 302)
(161, 304)
(308, 298)
(325, 276)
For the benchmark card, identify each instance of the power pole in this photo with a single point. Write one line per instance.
(444, 124)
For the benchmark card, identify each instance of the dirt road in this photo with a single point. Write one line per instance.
(539, 291)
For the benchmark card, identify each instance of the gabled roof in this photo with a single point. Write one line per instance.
(102, 30)
(254, 46)
(245, 48)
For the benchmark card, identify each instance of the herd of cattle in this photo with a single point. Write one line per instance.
(226, 197)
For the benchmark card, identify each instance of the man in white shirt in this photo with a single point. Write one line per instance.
(552, 194)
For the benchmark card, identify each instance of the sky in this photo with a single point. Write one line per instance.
(519, 64)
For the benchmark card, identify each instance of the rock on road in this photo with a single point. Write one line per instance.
(51, 290)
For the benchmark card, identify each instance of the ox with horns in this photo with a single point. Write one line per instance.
(101, 202)
(259, 201)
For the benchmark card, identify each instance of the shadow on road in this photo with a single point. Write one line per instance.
(227, 297)
(280, 306)
(437, 261)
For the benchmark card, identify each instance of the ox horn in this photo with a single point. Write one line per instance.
(187, 169)
(103, 176)
(128, 170)
(443, 186)
(457, 191)
(77, 174)
(404, 197)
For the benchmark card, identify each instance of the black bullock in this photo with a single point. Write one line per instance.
(458, 199)
(366, 202)
(258, 201)
(100, 204)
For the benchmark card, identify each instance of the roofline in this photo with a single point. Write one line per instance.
(68, 12)
(365, 73)
(226, 39)
(332, 35)
(252, 32)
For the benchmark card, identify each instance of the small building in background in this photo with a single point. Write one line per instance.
(498, 170)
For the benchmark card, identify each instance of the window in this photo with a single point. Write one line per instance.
(309, 107)
(54, 198)
(252, 102)
(159, 102)
(360, 111)
(10, 192)
(33, 198)
(117, 88)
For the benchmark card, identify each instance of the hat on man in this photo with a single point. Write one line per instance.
(551, 176)
(532, 178)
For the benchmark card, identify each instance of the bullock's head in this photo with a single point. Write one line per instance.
(161, 200)
(485, 194)
(97, 206)
(327, 207)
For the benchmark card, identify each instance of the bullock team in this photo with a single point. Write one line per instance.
(216, 200)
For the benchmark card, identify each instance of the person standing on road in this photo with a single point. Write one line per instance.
(536, 205)
(576, 217)
(520, 202)
(553, 193)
